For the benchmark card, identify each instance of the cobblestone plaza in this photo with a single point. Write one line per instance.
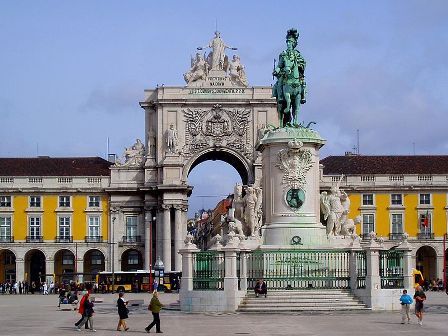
(38, 315)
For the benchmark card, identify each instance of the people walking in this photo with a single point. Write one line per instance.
(122, 312)
(419, 297)
(155, 306)
(406, 302)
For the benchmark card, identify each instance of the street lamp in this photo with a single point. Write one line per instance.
(114, 217)
(150, 253)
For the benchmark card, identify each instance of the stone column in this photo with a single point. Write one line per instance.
(230, 278)
(49, 266)
(187, 267)
(148, 222)
(373, 280)
(166, 238)
(243, 271)
(407, 263)
(80, 268)
(20, 269)
(177, 237)
(353, 271)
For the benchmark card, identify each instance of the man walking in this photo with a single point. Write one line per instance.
(419, 297)
(406, 302)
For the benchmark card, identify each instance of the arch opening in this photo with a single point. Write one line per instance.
(131, 260)
(35, 269)
(7, 266)
(426, 262)
(64, 266)
(94, 262)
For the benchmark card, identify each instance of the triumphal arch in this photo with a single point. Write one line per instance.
(217, 115)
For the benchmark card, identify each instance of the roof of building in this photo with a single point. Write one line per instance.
(398, 164)
(48, 166)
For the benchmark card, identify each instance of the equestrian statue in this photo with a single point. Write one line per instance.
(290, 88)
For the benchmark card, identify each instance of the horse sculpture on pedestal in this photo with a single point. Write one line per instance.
(290, 88)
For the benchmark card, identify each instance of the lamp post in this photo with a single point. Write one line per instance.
(114, 217)
(150, 253)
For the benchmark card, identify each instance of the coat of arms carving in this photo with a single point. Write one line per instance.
(217, 127)
(295, 163)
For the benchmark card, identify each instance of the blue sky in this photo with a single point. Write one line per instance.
(72, 72)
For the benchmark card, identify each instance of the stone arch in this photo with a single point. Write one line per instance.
(94, 261)
(35, 267)
(131, 260)
(236, 160)
(426, 261)
(8, 265)
(64, 265)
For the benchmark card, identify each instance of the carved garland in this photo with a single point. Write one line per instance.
(217, 127)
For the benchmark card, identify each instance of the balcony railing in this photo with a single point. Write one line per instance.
(131, 239)
(34, 239)
(395, 236)
(425, 235)
(64, 239)
(94, 239)
(7, 239)
(364, 236)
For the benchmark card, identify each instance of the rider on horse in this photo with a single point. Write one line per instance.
(290, 88)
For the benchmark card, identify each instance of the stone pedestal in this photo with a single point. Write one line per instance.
(291, 188)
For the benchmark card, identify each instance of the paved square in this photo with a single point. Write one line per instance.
(38, 315)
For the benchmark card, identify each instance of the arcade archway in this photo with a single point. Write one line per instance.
(426, 262)
(64, 266)
(35, 268)
(7, 266)
(131, 260)
(93, 263)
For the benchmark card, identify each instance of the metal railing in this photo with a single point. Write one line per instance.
(34, 239)
(292, 269)
(208, 270)
(361, 269)
(93, 239)
(64, 239)
(6, 239)
(131, 239)
(391, 269)
(425, 235)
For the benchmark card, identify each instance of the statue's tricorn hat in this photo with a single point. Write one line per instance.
(292, 34)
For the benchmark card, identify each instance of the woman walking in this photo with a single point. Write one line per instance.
(155, 306)
(122, 312)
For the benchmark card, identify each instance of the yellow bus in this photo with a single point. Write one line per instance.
(133, 281)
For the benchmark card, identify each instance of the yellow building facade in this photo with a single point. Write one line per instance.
(397, 196)
(54, 219)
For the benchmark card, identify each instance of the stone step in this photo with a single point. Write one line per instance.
(295, 300)
(271, 310)
(301, 301)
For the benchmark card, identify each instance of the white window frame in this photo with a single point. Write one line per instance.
(392, 222)
(31, 218)
(128, 217)
(62, 203)
(420, 199)
(5, 201)
(89, 201)
(392, 200)
(428, 229)
(67, 256)
(363, 222)
(90, 224)
(3, 224)
(94, 258)
(60, 220)
(373, 199)
(129, 259)
(31, 202)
